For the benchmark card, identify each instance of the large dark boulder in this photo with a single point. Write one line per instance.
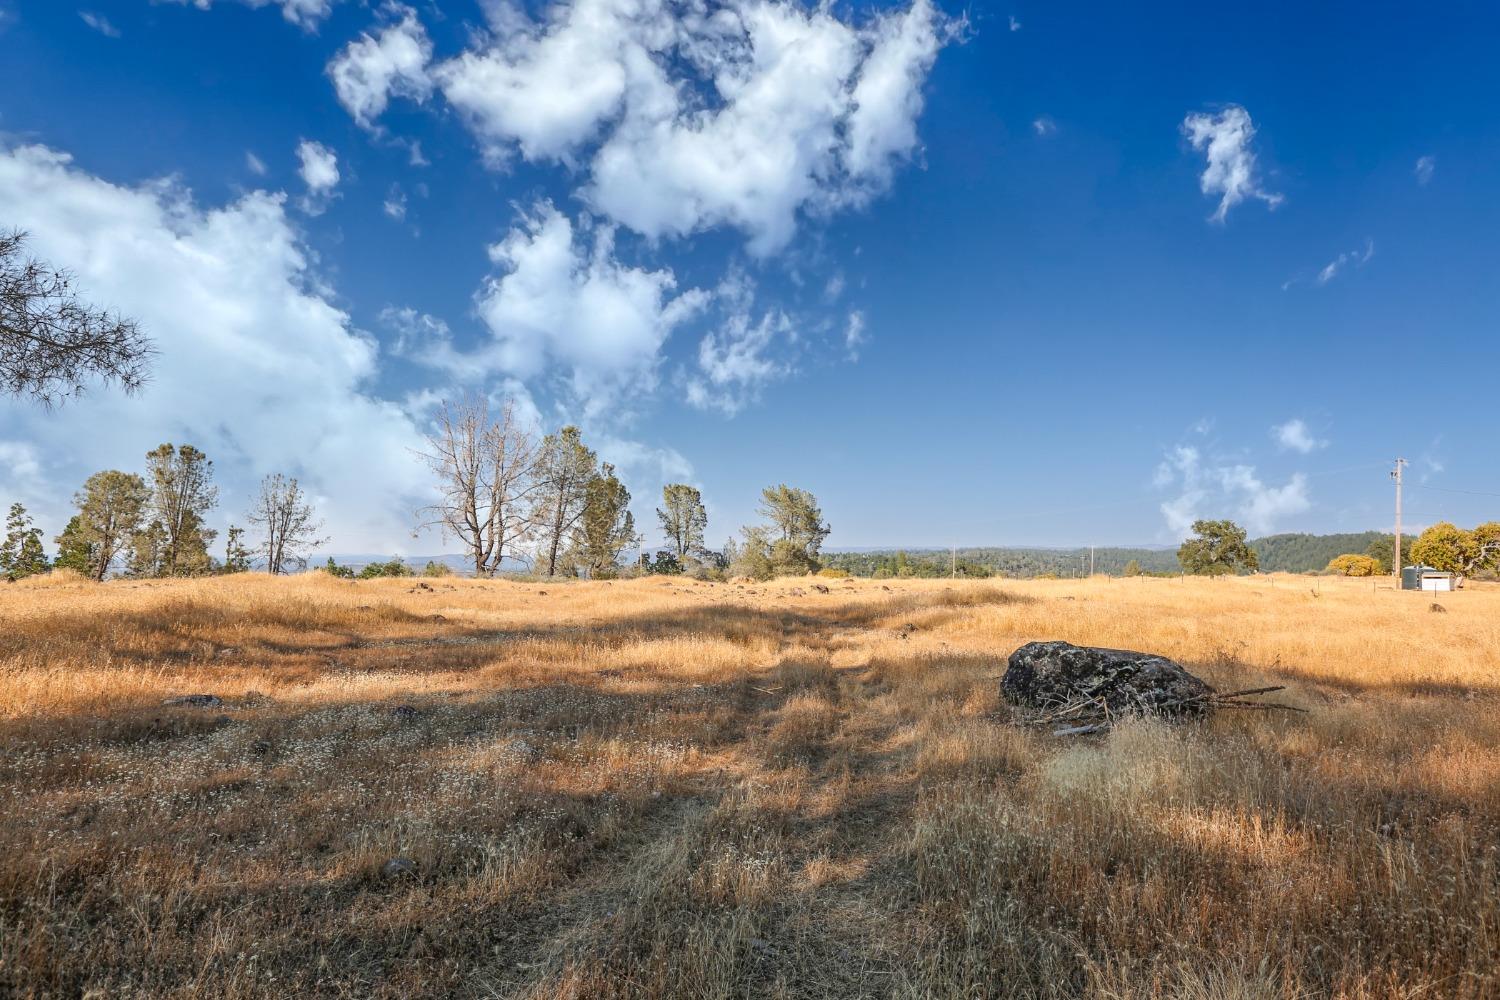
(1053, 674)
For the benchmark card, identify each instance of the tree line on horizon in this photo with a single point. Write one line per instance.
(1293, 552)
(505, 493)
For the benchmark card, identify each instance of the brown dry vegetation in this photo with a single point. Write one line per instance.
(672, 789)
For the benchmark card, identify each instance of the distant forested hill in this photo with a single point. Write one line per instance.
(1012, 562)
(1277, 553)
(1300, 553)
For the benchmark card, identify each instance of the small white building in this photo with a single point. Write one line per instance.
(1433, 580)
(1429, 579)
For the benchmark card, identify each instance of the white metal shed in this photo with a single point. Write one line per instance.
(1434, 580)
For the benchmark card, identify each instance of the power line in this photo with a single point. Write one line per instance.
(1443, 489)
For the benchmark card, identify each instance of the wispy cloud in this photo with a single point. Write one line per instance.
(99, 23)
(1432, 462)
(1044, 126)
(1424, 169)
(1225, 138)
(1349, 258)
(255, 164)
(1358, 258)
(395, 203)
(854, 334)
(1015, 23)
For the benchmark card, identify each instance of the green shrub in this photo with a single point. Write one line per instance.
(333, 569)
(395, 567)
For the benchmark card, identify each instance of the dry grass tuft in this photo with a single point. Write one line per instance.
(672, 789)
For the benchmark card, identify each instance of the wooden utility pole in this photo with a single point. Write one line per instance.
(1396, 558)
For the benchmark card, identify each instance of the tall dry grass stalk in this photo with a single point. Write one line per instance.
(673, 789)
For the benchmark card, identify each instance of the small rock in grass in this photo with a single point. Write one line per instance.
(196, 700)
(525, 751)
(398, 867)
(1437, 608)
(404, 713)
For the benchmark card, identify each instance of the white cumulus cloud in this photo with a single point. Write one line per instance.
(808, 114)
(564, 301)
(256, 365)
(373, 68)
(1294, 435)
(1214, 490)
(1225, 139)
(686, 119)
(549, 85)
(319, 170)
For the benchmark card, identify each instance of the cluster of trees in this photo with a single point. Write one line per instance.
(1447, 547)
(1301, 553)
(787, 546)
(1443, 546)
(505, 493)
(155, 524)
(395, 566)
(552, 504)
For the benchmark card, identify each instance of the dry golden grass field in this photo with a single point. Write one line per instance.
(663, 788)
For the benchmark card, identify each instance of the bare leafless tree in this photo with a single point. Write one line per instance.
(285, 516)
(486, 470)
(51, 343)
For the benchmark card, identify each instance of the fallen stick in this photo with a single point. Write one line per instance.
(1264, 690)
(1264, 706)
(1081, 730)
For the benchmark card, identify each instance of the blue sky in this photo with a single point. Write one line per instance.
(1046, 274)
